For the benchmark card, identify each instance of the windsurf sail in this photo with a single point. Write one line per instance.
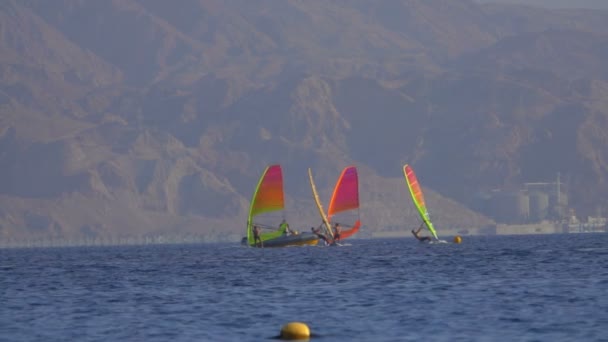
(345, 199)
(268, 197)
(319, 205)
(418, 198)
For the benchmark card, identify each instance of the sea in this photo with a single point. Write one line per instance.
(488, 288)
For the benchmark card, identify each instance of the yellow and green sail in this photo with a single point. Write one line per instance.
(268, 197)
(418, 198)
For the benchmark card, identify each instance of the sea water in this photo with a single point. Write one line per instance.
(514, 288)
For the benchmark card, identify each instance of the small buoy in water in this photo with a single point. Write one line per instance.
(295, 331)
(457, 239)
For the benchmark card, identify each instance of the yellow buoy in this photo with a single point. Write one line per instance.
(457, 239)
(295, 331)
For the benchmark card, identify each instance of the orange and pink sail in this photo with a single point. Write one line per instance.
(345, 198)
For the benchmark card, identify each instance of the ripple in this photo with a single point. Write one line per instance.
(530, 288)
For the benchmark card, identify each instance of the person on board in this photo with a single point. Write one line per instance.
(318, 233)
(417, 234)
(337, 232)
(284, 226)
(257, 237)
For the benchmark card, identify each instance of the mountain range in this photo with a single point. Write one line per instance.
(149, 117)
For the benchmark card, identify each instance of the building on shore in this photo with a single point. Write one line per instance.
(534, 208)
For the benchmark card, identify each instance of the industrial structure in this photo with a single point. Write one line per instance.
(534, 207)
(534, 202)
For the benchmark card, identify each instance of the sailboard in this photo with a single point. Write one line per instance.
(345, 202)
(418, 198)
(267, 197)
(319, 205)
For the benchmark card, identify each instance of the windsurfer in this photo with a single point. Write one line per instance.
(317, 232)
(417, 234)
(257, 237)
(284, 226)
(337, 232)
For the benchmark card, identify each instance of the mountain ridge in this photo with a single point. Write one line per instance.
(119, 119)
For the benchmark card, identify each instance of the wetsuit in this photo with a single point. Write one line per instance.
(337, 233)
(317, 232)
(256, 236)
(421, 238)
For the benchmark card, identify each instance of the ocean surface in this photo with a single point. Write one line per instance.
(513, 288)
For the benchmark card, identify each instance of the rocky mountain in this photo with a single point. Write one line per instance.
(148, 118)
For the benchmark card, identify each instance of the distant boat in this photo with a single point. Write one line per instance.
(268, 197)
(418, 198)
(344, 201)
